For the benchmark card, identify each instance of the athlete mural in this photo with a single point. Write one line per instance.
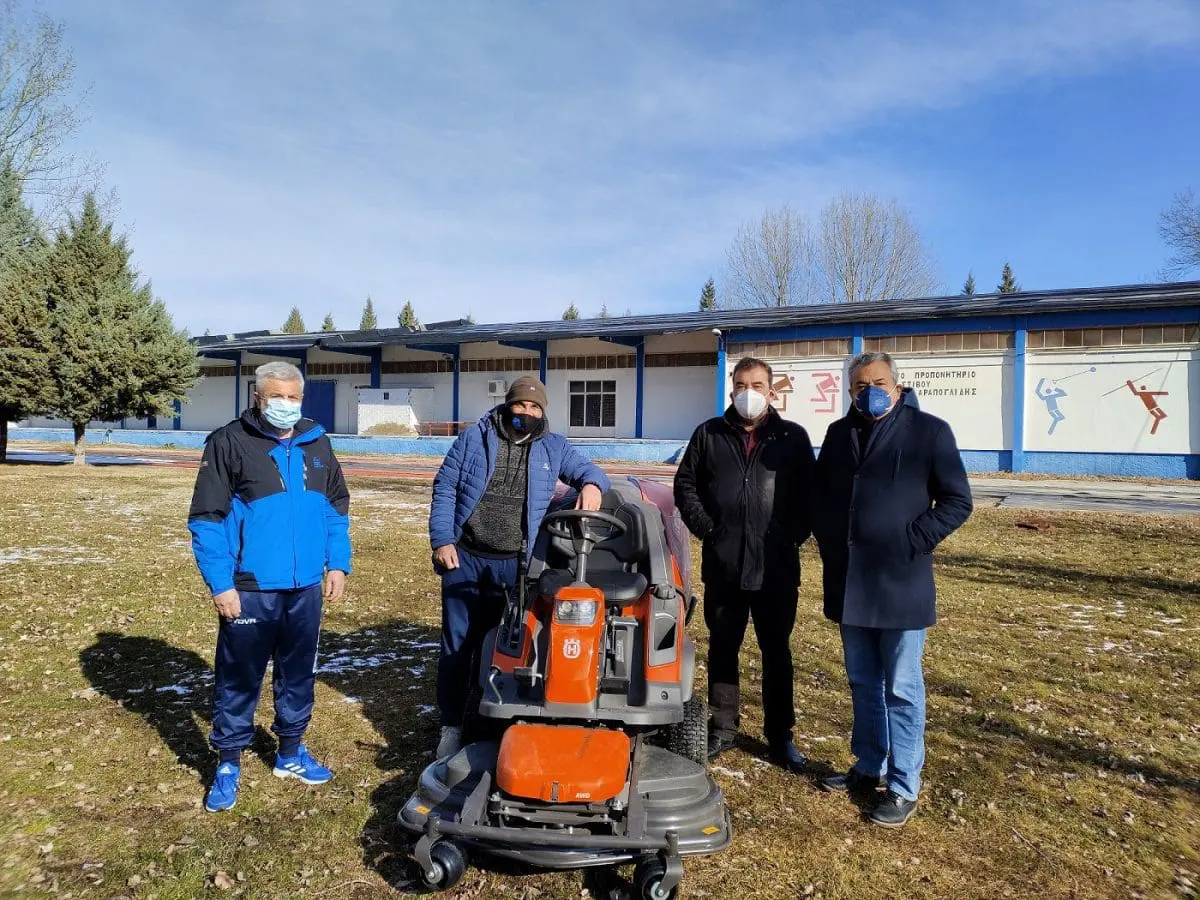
(1051, 393)
(1148, 397)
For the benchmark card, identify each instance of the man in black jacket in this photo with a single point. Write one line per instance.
(742, 488)
(890, 487)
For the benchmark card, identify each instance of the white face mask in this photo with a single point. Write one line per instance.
(750, 404)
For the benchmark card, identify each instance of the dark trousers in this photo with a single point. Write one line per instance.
(726, 611)
(278, 626)
(472, 603)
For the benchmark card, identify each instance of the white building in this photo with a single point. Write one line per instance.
(1100, 380)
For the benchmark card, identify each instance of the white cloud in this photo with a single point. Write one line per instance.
(493, 158)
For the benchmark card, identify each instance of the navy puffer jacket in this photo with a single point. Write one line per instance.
(470, 463)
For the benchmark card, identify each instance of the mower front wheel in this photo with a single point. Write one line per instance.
(648, 877)
(689, 738)
(449, 866)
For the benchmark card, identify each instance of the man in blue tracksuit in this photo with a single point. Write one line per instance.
(489, 497)
(270, 532)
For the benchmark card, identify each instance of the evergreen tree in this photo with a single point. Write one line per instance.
(25, 338)
(328, 325)
(408, 317)
(969, 285)
(368, 320)
(115, 351)
(571, 313)
(603, 314)
(708, 296)
(294, 323)
(1008, 284)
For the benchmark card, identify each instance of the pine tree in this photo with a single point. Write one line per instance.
(115, 351)
(408, 317)
(25, 338)
(294, 323)
(969, 285)
(603, 314)
(328, 325)
(708, 296)
(571, 313)
(368, 320)
(1008, 284)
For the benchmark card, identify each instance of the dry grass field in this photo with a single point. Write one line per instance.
(1064, 729)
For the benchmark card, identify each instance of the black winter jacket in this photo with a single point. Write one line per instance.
(880, 512)
(750, 513)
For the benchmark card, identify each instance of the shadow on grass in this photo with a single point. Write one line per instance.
(1072, 754)
(1036, 576)
(383, 667)
(167, 686)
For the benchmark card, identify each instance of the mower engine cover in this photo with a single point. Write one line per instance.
(563, 763)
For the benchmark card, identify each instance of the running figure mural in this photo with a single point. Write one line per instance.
(1148, 397)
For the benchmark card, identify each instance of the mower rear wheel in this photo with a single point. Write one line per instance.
(648, 877)
(449, 866)
(689, 738)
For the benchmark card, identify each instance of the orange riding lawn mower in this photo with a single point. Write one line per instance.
(584, 743)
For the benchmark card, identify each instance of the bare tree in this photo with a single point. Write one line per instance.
(1179, 226)
(38, 111)
(870, 249)
(770, 262)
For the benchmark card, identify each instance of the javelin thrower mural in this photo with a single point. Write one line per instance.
(1148, 397)
(1053, 393)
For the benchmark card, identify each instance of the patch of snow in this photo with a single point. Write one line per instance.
(740, 776)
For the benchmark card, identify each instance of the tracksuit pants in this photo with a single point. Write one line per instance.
(278, 626)
(726, 612)
(472, 603)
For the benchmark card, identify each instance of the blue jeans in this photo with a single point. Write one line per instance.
(887, 688)
(472, 603)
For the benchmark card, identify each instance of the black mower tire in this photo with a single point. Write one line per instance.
(647, 880)
(689, 738)
(451, 861)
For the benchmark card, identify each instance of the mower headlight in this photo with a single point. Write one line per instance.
(575, 612)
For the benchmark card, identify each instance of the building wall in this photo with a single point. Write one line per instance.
(1083, 402)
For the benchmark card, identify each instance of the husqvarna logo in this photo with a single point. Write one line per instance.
(571, 648)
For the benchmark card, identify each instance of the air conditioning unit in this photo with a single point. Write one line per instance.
(497, 387)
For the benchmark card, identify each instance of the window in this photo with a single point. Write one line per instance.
(593, 404)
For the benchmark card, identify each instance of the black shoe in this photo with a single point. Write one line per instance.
(853, 782)
(893, 811)
(718, 744)
(785, 755)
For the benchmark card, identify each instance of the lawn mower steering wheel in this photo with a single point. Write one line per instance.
(572, 525)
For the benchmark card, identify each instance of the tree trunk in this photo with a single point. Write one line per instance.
(3, 438)
(80, 457)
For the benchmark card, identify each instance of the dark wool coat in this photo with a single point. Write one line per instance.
(881, 510)
(751, 513)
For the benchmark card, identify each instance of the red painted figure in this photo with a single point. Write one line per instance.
(1147, 397)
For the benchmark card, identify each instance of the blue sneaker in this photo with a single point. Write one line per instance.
(301, 766)
(223, 793)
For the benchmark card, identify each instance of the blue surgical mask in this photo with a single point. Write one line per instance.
(282, 414)
(873, 401)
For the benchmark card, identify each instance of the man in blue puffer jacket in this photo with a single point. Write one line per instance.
(489, 497)
(270, 522)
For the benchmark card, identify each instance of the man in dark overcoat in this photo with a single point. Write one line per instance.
(742, 488)
(890, 487)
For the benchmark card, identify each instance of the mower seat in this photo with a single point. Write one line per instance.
(619, 587)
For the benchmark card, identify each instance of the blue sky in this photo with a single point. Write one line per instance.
(507, 159)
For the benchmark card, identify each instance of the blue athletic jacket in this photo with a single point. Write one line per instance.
(266, 516)
(470, 463)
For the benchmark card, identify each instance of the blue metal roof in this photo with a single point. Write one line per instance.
(1124, 297)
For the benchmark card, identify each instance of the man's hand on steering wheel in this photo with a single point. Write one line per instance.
(589, 498)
